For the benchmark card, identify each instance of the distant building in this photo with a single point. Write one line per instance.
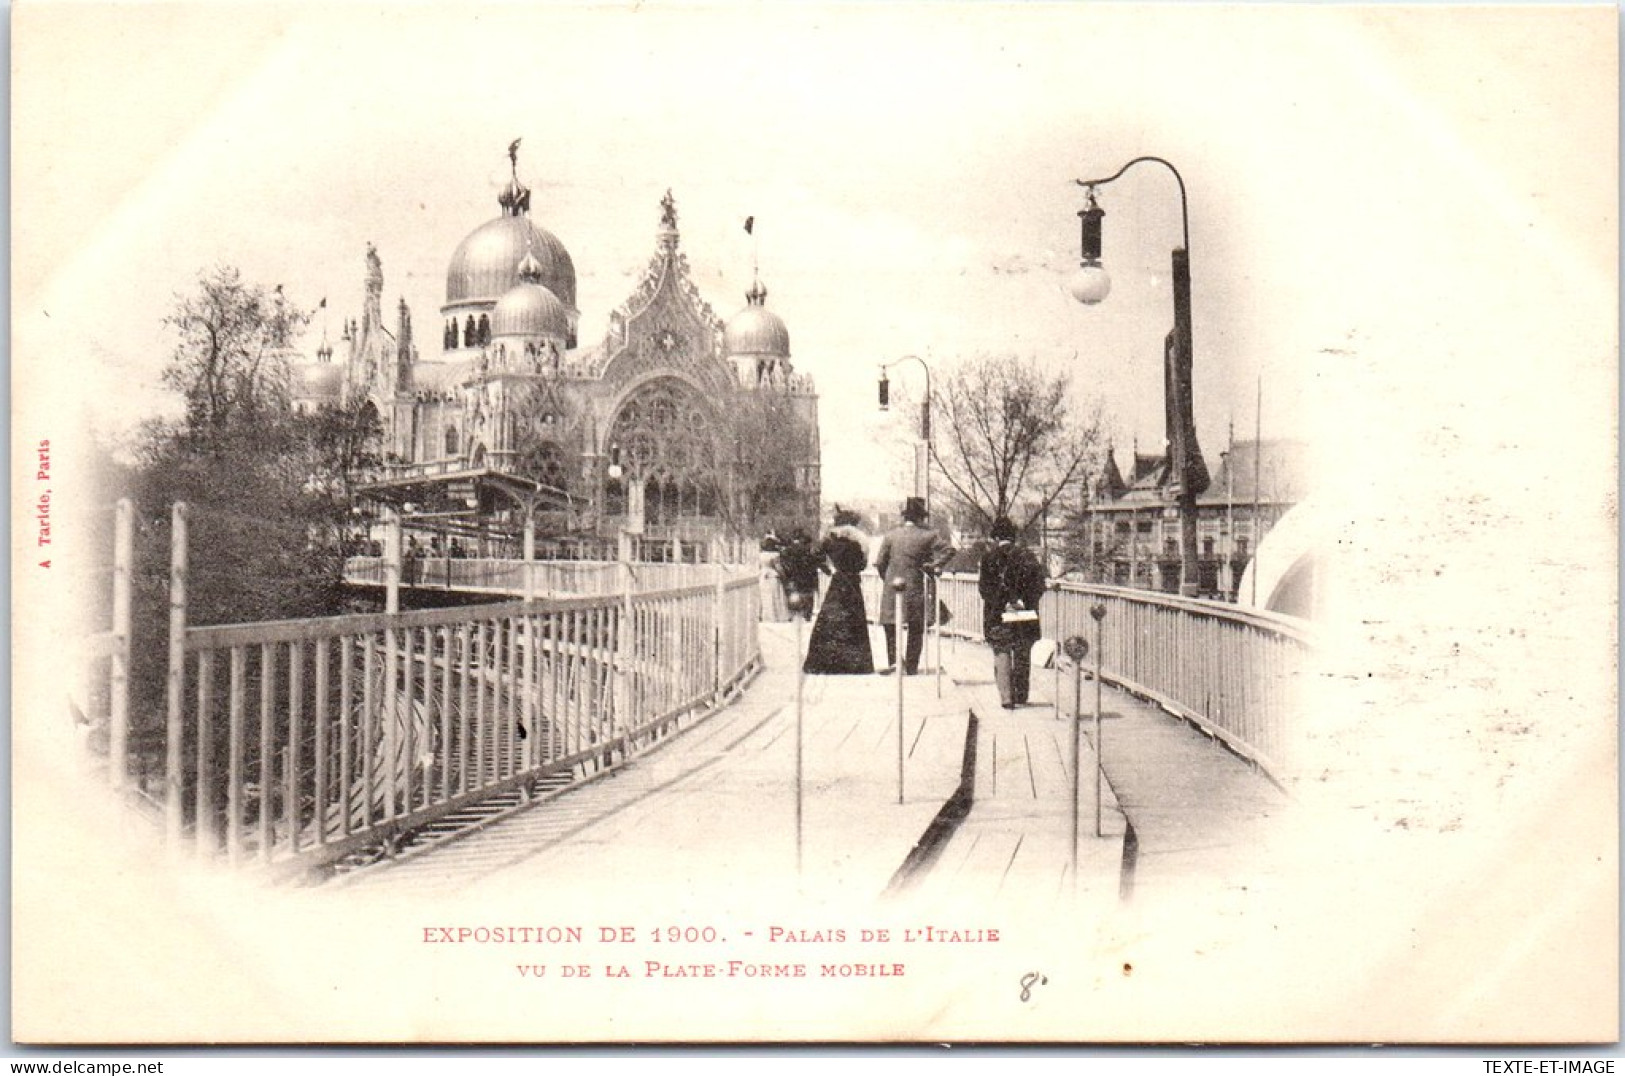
(510, 419)
(1129, 529)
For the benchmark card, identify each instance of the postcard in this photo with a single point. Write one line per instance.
(948, 522)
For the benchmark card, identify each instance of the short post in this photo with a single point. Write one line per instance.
(1057, 702)
(623, 652)
(392, 563)
(718, 607)
(1076, 648)
(528, 701)
(118, 708)
(176, 686)
(936, 626)
(897, 633)
(1099, 613)
(530, 554)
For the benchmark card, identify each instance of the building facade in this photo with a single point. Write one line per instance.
(674, 428)
(1129, 527)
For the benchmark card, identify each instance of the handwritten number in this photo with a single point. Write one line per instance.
(1030, 980)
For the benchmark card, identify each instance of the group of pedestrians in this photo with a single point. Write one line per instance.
(1011, 583)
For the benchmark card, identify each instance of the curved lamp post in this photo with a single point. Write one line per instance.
(1188, 476)
(922, 465)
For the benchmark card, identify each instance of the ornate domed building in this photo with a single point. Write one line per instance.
(674, 428)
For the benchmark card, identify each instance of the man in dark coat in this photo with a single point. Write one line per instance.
(1011, 583)
(908, 554)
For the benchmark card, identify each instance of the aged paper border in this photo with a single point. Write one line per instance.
(1474, 476)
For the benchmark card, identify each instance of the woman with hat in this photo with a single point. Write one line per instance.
(840, 635)
(1011, 583)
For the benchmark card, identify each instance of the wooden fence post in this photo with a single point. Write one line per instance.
(176, 686)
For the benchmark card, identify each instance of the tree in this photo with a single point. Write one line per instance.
(229, 359)
(767, 439)
(268, 489)
(1009, 442)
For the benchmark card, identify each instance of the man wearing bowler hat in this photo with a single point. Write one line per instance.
(908, 553)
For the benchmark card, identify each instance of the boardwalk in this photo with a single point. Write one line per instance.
(711, 815)
(713, 812)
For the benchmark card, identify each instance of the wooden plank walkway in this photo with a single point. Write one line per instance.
(710, 815)
(1180, 813)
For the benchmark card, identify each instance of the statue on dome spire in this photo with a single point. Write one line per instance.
(668, 211)
(515, 197)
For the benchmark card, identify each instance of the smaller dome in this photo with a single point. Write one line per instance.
(756, 330)
(529, 310)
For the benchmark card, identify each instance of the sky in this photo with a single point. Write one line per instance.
(1356, 179)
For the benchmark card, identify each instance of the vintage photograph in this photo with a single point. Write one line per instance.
(951, 522)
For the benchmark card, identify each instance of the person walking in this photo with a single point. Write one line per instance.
(799, 563)
(1011, 583)
(840, 635)
(772, 586)
(907, 555)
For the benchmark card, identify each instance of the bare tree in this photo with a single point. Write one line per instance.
(1010, 442)
(229, 360)
(767, 439)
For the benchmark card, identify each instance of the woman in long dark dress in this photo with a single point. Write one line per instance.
(840, 635)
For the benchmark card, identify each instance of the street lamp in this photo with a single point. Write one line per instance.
(922, 465)
(1188, 475)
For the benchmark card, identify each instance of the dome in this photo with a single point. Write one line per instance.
(486, 264)
(530, 310)
(756, 330)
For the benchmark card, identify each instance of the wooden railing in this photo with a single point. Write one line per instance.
(294, 743)
(549, 578)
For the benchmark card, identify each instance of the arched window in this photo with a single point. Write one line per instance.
(451, 440)
(665, 441)
(449, 341)
(471, 333)
(485, 329)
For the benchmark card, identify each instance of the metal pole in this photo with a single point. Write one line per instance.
(176, 685)
(897, 633)
(1099, 613)
(1185, 451)
(119, 686)
(801, 677)
(1057, 691)
(1077, 776)
(936, 626)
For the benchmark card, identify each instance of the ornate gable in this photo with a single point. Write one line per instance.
(665, 325)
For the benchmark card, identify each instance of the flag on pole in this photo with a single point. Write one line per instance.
(750, 222)
(323, 304)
